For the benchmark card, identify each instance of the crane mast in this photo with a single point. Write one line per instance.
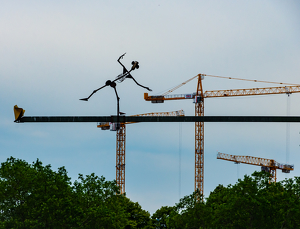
(268, 165)
(199, 139)
(121, 142)
(199, 97)
(120, 157)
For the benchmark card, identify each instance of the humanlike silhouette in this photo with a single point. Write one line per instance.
(120, 78)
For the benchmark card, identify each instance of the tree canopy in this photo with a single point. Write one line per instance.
(251, 203)
(35, 196)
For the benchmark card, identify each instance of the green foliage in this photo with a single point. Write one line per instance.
(190, 212)
(35, 196)
(251, 203)
(161, 217)
(137, 218)
(31, 196)
(255, 203)
(97, 204)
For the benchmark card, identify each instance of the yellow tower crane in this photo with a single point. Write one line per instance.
(198, 98)
(120, 147)
(268, 165)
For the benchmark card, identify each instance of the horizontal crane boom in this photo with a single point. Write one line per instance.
(246, 159)
(252, 91)
(268, 165)
(198, 98)
(106, 125)
(255, 161)
(225, 93)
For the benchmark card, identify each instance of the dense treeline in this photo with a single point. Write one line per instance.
(251, 203)
(35, 196)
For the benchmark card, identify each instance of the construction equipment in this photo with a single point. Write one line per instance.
(267, 165)
(114, 119)
(120, 147)
(198, 98)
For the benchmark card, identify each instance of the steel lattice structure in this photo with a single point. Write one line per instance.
(120, 157)
(199, 141)
(121, 142)
(268, 165)
(198, 98)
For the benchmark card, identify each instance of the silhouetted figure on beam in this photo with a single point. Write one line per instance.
(120, 78)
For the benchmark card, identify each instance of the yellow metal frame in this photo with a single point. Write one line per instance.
(199, 140)
(271, 164)
(121, 143)
(199, 111)
(120, 157)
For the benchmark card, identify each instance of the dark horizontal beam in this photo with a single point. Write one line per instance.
(159, 119)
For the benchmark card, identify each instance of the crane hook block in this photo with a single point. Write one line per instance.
(19, 112)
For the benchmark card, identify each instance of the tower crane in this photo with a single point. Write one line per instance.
(268, 165)
(199, 97)
(120, 146)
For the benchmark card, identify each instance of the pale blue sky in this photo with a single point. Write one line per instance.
(53, 53)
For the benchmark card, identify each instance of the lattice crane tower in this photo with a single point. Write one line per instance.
(121, 142)
(199, 97)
